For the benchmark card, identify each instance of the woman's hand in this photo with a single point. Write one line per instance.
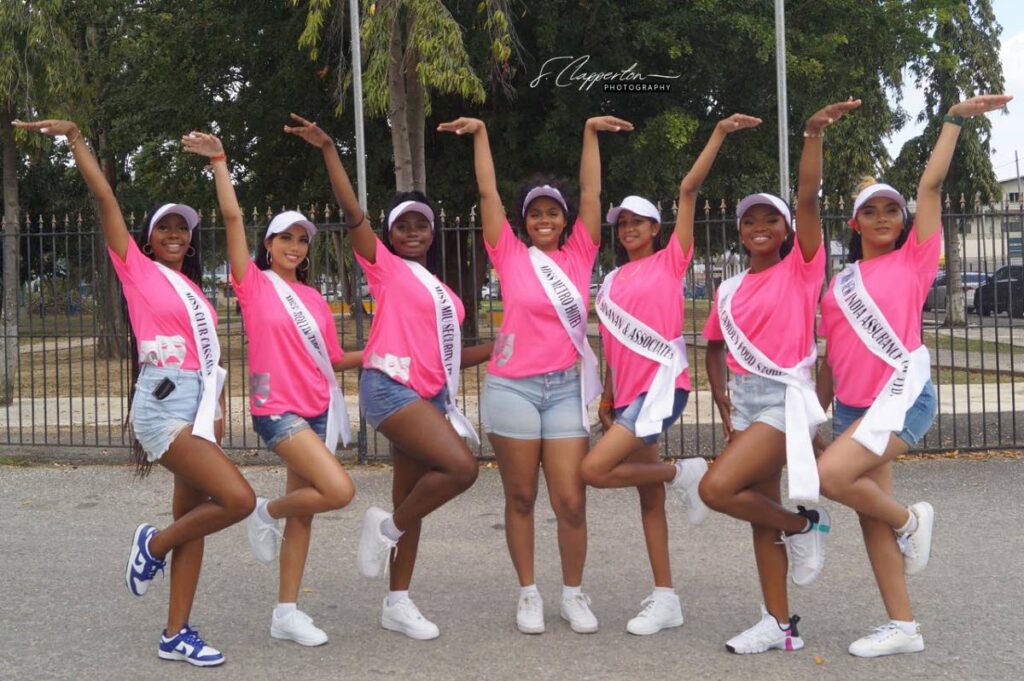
(609, 124)
(606, 414)
(462, 126)
(975, 106)
(736, 122)
(725, 411)
(202, 144)
(51, 127)
(825, 117)
(310, 132)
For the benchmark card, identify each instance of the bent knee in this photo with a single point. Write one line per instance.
(240, 503)
(593, 475)
(339, 496)
(713, 493)
(465, 473)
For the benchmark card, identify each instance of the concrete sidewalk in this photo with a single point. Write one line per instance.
(67, 615)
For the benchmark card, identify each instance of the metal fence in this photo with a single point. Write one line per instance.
(67, 376)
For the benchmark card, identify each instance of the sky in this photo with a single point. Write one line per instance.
(1007, 130)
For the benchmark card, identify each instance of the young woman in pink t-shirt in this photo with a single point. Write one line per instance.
(532, 407)
(209, 491)
(290, 397)
(896, 259)
(648, 287)
(403, 390)
(773, 307)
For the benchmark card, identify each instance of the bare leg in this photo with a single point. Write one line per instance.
(519, 465)
(561, 459)
(652, 514)
(770, 554)
(407, 473)
(328, 487)
(885, 556)
(610, 464)
(186, 560)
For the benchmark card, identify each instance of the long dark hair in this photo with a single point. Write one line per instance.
(262, 259)
(855, 249)
(434, 252)
(191, 267)
(517, 219)
(657, 241)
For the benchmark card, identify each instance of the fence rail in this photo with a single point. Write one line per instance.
(67, 376)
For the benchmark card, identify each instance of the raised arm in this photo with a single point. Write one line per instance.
(691, 184)
(590, 171)
(114, 228)
(929, 190)
(364, 240)
(492, 213)
(808, 219)
(210, 146)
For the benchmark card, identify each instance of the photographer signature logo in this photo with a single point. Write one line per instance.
(569, 71)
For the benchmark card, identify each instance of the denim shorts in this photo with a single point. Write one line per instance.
(274, 429)
(756, 398)
(380, 396)
(157, 422)
(916, 423)
(546, 406)
(626, 416)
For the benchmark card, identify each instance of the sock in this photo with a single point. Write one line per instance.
(570, 591)
(664, 592)
(527, 590)
(388, 529)
(283, 609)
(262, 513)
(396, 597)
(910, 526)
(679, 470)
(908, 628)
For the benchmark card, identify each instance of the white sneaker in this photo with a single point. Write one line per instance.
(263, 536)
(576, 611)
(374, 547)
(297, 626)
(917, 546)
(688, 476)
(660, 611)
(406, 618)
(530, 614)
(807, 549)
(888, 639)
(766, 635)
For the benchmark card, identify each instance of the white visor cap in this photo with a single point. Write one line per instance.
(634, 204)
(411, 207)
(282, 221)
(748, 202)
(187, 212)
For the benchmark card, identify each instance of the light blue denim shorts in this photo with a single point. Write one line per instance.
(274, 429)
(546, 406)
(916, 423)
(157, 422)
(380, 396)
(627, 416)
(756, 398)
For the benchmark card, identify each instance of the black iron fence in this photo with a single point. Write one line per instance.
(66, 374)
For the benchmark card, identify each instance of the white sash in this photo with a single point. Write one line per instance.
(646, 342)
(205, 335)
(449, 340)
(313, 340)
(887, 413)
(568, 303)
(803, 411)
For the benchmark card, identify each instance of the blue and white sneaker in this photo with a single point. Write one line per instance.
(188, 647)
(142, 567)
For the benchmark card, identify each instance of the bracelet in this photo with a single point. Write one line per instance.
(814, 137)
(954, 119)
(218, 157)
(72, 142)
(355, 224)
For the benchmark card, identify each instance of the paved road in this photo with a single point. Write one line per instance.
(66, 614)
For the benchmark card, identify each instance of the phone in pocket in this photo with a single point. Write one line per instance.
(164, 388)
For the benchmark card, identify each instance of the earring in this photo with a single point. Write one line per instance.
(146, 246)
(270, 258)
(190, 252)
(306, 268)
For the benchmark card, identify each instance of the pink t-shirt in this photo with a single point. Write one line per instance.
(532, 340)
(403, 337)
(650, 289)
(775, 309)
(898, 282)
(162, 325)
(282, 375)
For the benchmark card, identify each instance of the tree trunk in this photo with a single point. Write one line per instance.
(415, 114)
(956, 304)
(112, 341)
(397, 105)
(11, 267)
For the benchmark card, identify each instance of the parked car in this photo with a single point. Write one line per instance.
(969, 282)
(1003, 292)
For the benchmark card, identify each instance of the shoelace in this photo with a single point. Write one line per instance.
(883, 632)
(906, 545)
(191, 636)
(580, 603)
(795, 547)
(410, 609)
(152, 566)
(530, 602)
(647, 606)
(269, 528)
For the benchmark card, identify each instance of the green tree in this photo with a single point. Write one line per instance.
(962, 61)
